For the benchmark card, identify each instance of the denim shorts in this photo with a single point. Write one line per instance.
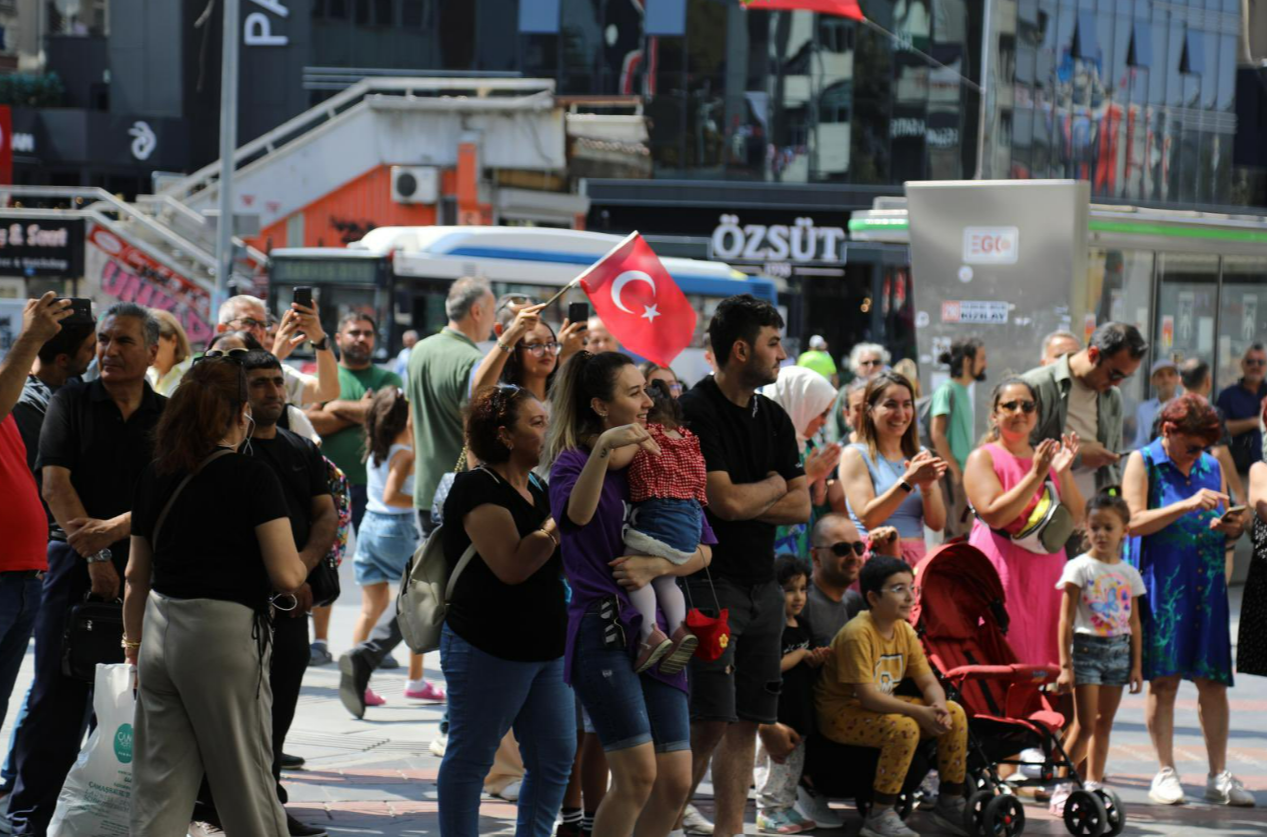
(675, 523)
(1101, 660)
(626, 709)
(384, 544)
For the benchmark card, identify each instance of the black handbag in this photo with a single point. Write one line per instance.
(324, 581)
(93, 634)
(94, 628)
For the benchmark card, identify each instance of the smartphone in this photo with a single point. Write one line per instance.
(578, 312)
(303, 296)
(81, 312)
(1234, 510)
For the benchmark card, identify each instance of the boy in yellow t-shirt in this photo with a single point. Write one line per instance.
(869, 657)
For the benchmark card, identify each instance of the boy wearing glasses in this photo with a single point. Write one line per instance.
(856, 703)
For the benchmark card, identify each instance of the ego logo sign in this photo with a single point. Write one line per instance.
(991, 245)
(123, 743)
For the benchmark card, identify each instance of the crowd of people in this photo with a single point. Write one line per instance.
(650, 580)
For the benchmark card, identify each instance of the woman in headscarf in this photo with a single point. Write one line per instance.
(807, 398)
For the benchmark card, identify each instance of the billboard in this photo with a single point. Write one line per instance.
(48, 247)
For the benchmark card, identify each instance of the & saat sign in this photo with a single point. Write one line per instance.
(115, 271)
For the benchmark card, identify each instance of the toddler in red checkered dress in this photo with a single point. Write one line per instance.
(667, 491)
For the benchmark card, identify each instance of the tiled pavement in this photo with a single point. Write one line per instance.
(377, 777)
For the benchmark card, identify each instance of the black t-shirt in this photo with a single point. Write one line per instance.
(85, 433)
(747, 443)
(301, 469)
(796, 701)
(207, 547)
(525, 622)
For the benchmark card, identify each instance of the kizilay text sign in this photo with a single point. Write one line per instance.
(41, 247)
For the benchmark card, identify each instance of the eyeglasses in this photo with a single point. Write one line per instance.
(901, 589)
(539, 349)
(675, 387)
(1025, 407)
(248, 322)
(1116, 375)
(843, 548)
(1254, 361)
(876, 362)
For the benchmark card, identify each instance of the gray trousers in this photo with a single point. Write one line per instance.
(204, 706)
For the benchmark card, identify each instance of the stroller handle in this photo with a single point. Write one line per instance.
(1015, 673)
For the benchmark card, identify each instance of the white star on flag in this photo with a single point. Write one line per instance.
(650, 313)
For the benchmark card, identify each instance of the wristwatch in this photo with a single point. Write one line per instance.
(322, 344)
(101, 557)
(906, 485)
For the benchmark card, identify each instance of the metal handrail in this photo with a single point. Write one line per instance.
(202, 222)
(292, 129)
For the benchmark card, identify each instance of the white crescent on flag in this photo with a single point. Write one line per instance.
(624, 279)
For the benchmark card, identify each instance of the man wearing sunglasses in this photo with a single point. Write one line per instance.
(1242, 404)
(1079, 394)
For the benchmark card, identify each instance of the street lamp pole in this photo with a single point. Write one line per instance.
(228, 145)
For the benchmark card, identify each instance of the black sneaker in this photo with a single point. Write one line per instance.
(354, 679)
(301, 829)
(290, 762)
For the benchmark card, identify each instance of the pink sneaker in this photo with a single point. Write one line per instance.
(373, 698)
(429, 692)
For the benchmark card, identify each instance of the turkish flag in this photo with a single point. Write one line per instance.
(639, 302)
(844, 8)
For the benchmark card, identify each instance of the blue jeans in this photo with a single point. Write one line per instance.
(20, 596)
(674, 523)
(487, 697)
(626, 709)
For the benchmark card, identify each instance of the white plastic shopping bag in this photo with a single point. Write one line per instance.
(94, 801)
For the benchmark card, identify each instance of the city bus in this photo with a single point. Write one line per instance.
(401, 276)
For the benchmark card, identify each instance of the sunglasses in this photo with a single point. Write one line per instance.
(1254, 361)
(234, 356)
(539, 349)
(1025, 407)
(871, 363)
(1116, 375)
(515, 299)
(843, 548)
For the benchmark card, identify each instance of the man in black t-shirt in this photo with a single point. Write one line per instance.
(755, 483)
(96, 440)
(313, 521)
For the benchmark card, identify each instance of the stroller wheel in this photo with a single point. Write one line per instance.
(1115, 814)
(1004, 817)
(1086, 815)
(974, 811)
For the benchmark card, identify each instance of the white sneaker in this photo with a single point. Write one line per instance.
(1059, 796)
(510, 793)
(1226, 789)
(1033, 766)
(693, 822)
(1166, 789)
(205, 829)
(813, 806)
(886, 824)
(438, 745)
(1092, 786)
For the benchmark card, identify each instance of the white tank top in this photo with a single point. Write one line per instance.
(376, 481)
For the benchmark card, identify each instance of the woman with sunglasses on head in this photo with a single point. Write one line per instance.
(655, 372)
(502, 644)
(1003, 478)
(887, 477)
(211, 543)
(1180, 531)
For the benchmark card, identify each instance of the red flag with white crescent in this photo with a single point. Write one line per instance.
(639, 302)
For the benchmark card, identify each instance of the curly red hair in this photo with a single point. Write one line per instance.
(1191, 415)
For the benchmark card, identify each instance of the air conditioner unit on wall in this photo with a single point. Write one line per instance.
(415, 184)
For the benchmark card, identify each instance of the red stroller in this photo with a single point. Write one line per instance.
(960, 618)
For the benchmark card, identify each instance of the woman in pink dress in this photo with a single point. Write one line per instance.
(1003, 477)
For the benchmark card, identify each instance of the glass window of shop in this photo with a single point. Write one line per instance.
(1187, 306)
(1242, 313)
(1120, 289)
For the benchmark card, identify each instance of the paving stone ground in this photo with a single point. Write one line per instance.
(377, 777)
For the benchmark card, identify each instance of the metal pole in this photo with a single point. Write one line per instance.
(986, 100)
(228, 145)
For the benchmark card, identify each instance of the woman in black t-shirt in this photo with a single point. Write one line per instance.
(502, 645)
(211, 539)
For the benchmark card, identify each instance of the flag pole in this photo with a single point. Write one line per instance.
(586, 272)
(569, 286)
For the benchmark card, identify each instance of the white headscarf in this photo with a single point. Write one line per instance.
(803, 393)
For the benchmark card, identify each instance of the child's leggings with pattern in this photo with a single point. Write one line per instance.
(896, 737)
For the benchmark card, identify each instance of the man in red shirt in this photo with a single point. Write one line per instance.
(23, 558)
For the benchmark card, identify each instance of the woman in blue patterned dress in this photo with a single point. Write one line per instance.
(1177, 494)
